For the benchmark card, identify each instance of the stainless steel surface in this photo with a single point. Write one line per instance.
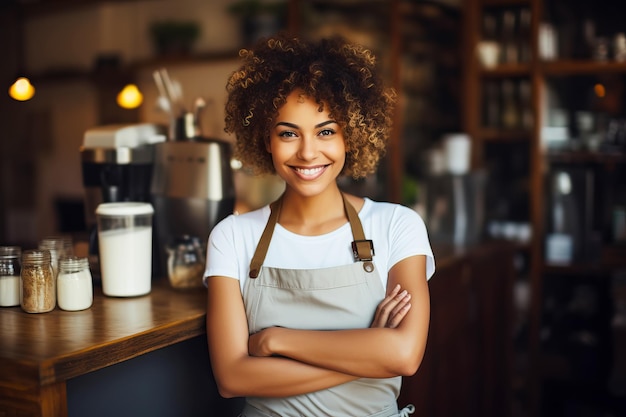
(199, 169)
(192, 189)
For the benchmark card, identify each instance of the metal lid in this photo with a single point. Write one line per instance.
(8, 252)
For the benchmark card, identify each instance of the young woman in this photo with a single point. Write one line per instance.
(317, 304)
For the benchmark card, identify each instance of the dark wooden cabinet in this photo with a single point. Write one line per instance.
(557, 111)
(466, 367)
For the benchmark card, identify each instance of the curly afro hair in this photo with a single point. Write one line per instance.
(334, 73)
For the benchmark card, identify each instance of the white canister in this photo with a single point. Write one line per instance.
(74, 284)
(125, 245)
(457, 149)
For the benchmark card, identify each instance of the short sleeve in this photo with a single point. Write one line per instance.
(221, 257)
(408, 237)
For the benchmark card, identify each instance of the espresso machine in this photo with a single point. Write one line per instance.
(117, 163)
(192, 190)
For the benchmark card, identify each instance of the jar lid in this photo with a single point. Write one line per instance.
(126, 208)
(73, 262)
(36, 255)
(8, 252)
(56, 242)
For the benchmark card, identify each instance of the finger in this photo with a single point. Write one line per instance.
(386, 307)
(396, 319)
(395, 290)
(379, 308)
(405, 300)
(399, 312)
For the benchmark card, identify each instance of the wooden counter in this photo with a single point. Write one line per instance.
(40, 352)
(41, 355)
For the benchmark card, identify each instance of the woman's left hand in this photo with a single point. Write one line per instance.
(393, 308)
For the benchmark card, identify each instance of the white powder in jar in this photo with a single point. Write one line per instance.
(74, 290)
(9, 290)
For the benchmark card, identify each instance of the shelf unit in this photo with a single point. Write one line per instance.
(539, 73)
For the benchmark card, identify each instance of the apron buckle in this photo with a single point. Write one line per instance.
(363, 250)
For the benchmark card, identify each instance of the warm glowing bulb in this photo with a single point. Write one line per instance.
(130, 97)
(599, 90)
(22, 89)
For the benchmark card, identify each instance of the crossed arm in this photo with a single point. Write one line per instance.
(279, 362)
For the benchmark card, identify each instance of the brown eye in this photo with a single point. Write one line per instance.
(287, 134)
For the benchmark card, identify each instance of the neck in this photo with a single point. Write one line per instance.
(311, 215)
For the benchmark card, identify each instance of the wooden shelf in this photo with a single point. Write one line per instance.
(505, 3)
(200, 58)
(503, 135)
(574, 67)
(128, 70)
(613, 256)
(507, 71)
(43, 7)
(586, 157)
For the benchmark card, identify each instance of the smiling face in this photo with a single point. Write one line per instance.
(307, 146)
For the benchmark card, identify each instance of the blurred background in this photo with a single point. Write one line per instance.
(510, 127)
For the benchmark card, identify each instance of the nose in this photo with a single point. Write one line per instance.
(307, 150)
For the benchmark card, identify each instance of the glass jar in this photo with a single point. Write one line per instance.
(59, 246)
(74, 284)
(38, 286)
(10, 276)
(185, 263)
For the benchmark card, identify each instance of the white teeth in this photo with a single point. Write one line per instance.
(309, 171)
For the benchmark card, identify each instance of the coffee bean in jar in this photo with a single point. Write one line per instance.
(38, 284)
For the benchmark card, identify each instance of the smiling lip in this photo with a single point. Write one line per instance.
(310, 173)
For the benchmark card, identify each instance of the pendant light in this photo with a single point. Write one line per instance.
(21, 89)
(130, 97)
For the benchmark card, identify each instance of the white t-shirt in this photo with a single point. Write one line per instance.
(396, 231)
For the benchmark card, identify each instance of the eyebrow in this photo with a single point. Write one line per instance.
(294, 126)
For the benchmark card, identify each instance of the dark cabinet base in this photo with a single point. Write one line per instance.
(466, 369)
(173, 381)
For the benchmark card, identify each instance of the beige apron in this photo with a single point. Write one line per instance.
(342, 297)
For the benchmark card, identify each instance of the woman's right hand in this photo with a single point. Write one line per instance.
(392, 309)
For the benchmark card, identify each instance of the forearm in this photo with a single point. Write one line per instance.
(274, 377)
(370, 353)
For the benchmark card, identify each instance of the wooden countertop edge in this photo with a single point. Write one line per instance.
(25, 372)
(121, 350)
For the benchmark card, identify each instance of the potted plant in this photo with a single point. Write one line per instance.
(259, 18)
(174, 37)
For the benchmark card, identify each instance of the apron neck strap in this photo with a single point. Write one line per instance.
(362, 249)
(266, 237)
